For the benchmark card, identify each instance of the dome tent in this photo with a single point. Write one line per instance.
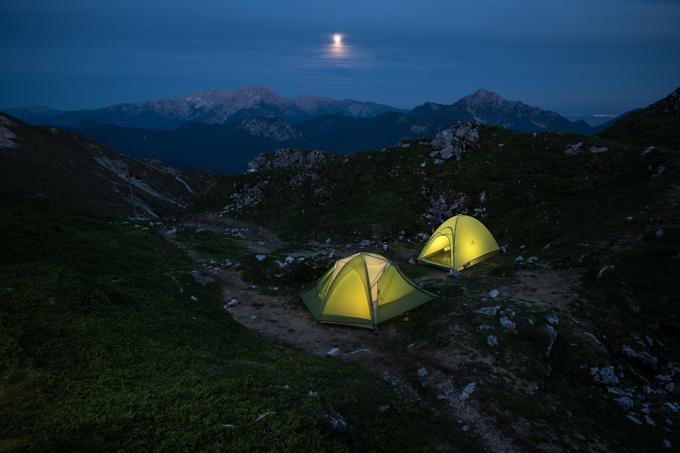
(458, 243)
(363, 290)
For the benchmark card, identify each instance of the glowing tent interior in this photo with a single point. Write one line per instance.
(363, 290)
(458, 243)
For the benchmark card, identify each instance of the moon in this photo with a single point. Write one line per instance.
(337, 39)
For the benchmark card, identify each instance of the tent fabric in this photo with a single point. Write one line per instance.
(363, 290)
(458, 243)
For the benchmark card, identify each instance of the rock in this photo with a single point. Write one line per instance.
(201, 279)
(364, 243)
(642, 357)
(333, 352)
(667, 444)
(604, 375)
(598, 149)
(312, 394)
(494, 293)
(385, 247)
(492, 341)
(674, 407)
(604, 271)
(553, 319)
(7, 139)
(228, 426)
(337, 421)
(286, 157)
(411, 261)
(285, 387)
(232, 303)
(649, 420)
(633, 419)
(660, 233)
(194, 298)
(519, 260)
(422, 372)
(624, 402)
(490, 311)
(264, 415)
(552, 335)
(532, 259)
(453, 273)
(572, 150)
(454, 141)
(359, 351)
(383, 409)
(648, 150)
(507, 323)
(467, 391)
(260, 258)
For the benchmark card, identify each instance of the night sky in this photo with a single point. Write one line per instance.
(576, 56)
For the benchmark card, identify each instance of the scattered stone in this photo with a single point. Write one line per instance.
(507, 323)
(492, 341)
(333, 352)
(337, 421)
(624, 402)
(598, 149)
(605, 375)
(467, 391)
(667, 444)
(385, 247)
(312, 394)
(454, 141)
(285, 387)
(194, 298)
(519, 260)
(642, 357)
(260, 258)
(228, 426)
(494, 293)
(634, 419)
(648, 150)
(572, 150)
(552, 335)
(553, 319)
(532, 259)
(484, 327)
(264, 415)
(674, 407)
(660, 233)
(453, 273)
(7, 139)
(383, 409)
(201, 279)
(422, 372)
(605, 270)
(490, 311)
(359, 351)
(649, 420)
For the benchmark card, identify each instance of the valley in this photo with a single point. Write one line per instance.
(185, 329)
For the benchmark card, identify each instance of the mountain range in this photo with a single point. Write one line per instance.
(223, 130)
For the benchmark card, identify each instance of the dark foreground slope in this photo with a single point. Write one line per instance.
(108, 343)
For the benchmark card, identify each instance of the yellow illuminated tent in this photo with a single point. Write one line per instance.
(364, 290)
(458, 243)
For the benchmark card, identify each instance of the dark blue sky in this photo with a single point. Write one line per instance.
(572, 56)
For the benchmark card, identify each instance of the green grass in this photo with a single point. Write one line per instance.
(102, 348)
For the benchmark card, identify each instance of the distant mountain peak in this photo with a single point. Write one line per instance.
(483, 97)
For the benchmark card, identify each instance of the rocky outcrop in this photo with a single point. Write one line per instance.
(272, 128)
(289, 158)
(454, 141)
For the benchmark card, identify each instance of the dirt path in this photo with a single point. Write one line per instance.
(292, 324)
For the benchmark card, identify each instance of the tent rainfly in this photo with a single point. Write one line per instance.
(460, 242)
(363, 290)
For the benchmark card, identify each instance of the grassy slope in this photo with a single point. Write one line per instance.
(101, 347)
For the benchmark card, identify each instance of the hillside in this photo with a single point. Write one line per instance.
(71, 171)
(566, 341)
